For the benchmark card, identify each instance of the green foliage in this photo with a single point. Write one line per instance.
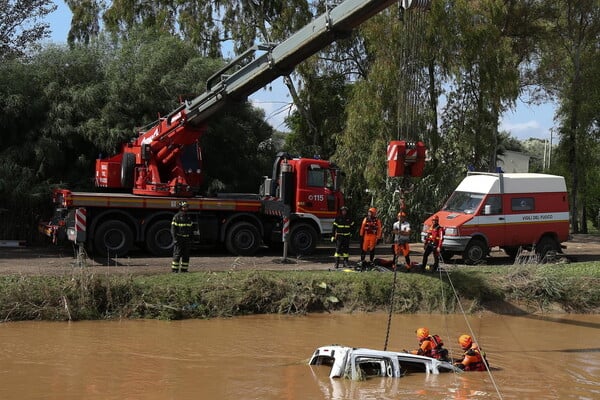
(324, 98)
(237, 150)
(83, 295)
(22, 26)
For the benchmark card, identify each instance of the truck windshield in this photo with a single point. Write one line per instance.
(464, 202)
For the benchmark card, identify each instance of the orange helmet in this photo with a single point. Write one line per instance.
(465, 341)
(422, 333)
(401, 214)
(373, 210)
(435, 218)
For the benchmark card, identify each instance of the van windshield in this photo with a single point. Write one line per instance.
(464, 202)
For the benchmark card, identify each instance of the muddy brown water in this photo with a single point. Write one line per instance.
(265, 357)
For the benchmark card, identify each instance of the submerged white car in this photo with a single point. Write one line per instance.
(359, 363)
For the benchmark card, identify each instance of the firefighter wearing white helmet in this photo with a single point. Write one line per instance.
(181, 229)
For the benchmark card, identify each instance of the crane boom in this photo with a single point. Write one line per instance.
(152, 163)
(278, 60)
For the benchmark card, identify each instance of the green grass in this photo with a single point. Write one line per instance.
(83, 295)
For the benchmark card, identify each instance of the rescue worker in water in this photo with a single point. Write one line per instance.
(370, 232)
(181, 230)
(430, 345)
(473, 358)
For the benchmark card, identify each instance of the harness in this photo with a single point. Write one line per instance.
(438, 351)
(371, 226)
(434, 235)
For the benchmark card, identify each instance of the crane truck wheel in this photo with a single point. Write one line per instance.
(113, 239)
(159, 240)
(303, 239)
(243, 239)
(127, 166)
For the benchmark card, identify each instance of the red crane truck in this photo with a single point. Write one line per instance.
(163, 165)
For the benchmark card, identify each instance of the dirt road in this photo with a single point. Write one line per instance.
(62, 260)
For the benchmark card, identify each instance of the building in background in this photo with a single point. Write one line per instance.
(513, 161)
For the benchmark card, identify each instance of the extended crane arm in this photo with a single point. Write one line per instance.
(152, 165)
(272, 61)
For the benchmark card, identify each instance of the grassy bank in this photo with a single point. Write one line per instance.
(84, 295)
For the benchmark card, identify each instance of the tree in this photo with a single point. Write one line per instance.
(568, 69)
(21, 25)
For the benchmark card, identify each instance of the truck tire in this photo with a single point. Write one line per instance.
(127, 167)
(113, 239)
(475, 252)
(546, 245)
(243, 239)
(159, 240)
(303, 239)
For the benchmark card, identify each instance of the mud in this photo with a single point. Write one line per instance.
(62, 260)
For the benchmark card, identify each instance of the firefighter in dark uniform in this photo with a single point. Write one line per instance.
(342, 231)
(181, 229)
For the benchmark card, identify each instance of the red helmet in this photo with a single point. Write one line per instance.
(373, 210)
(422, 333)
(465, 341)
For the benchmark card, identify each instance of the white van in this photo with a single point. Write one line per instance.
(511, 211)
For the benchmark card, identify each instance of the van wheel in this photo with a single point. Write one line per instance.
(447, 255)
(545, 247)
(475, 252)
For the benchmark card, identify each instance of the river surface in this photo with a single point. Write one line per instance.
(265, 357)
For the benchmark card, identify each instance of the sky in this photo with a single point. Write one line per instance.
(525, 122)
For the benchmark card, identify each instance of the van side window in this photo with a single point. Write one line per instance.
(495, 203)
(522, 204)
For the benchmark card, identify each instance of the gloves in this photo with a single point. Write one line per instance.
(332, 239)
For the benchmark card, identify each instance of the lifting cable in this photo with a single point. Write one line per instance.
(487, 367)
(392, 295)
(410, 75)
(408, 87)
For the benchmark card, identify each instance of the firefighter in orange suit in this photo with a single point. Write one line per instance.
(473, 358)
(370, 232)
(430, 346)
(433, 243)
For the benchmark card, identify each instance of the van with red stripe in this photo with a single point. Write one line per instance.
(506, 210)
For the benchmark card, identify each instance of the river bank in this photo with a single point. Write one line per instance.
(85, 295)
